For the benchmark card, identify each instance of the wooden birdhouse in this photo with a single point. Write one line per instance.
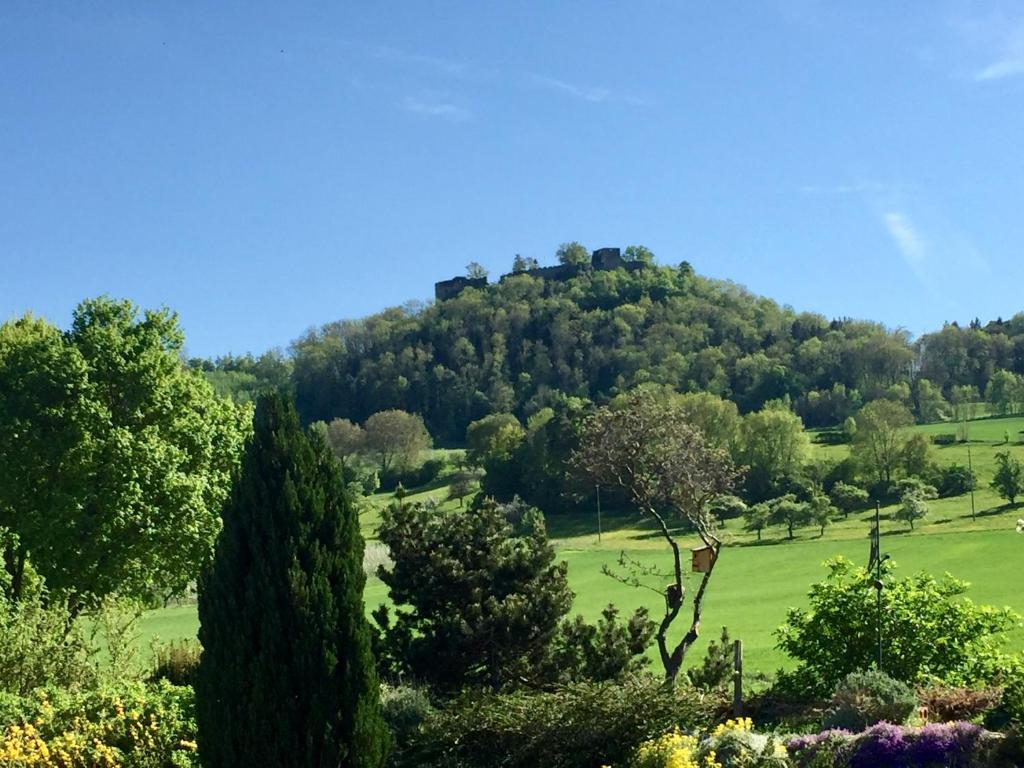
(701, 559)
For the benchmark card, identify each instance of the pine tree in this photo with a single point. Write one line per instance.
(287, 677)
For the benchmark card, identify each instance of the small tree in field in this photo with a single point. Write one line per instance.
(757, 517)
(788, 511)
(821, 510)
(912, 507)
(848, 497)
(650, 450)
(287, 677)
(1009, 477)
(461, 486)
(396, 438)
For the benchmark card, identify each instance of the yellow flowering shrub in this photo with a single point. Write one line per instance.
(732, 744)
(739, 725)
(673, 750)
(134, 727)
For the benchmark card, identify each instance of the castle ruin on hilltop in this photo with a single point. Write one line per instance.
(601, 259)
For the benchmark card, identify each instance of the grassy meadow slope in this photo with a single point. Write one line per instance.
(755, 583)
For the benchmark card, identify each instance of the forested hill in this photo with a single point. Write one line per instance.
(516, 345)
(520, 344)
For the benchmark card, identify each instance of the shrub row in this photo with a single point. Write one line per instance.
(575, 726)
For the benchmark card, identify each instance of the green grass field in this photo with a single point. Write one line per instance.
(754, 584)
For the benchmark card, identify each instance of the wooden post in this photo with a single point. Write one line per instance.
(737, 679)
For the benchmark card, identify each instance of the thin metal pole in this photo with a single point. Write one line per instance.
(737, 679)
(598, 513)
(878, 578)
(970, 468)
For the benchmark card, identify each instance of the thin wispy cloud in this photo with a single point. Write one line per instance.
(594, 94)
(863, 188)
(1011, 65)
(997, 40)
(907, 238)
(400, 56)
(586, 93)
(454, 70)
(1009, 60)
(430, 105)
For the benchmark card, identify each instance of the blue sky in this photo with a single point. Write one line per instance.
(261, 168)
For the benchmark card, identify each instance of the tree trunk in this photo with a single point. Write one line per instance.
(14, 564)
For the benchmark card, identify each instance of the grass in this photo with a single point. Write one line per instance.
(756, 583)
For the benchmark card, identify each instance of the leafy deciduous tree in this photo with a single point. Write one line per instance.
(880, 438)
(757, 517)
(523, 263)
(346, 439)
(821, 511)
(494, 436)
(789, 511)
(638, 253)
(1009, 477)
(848, 498)
(774, 447)
(912, 507)
(114, 457)
(396, 438)
(573, 253)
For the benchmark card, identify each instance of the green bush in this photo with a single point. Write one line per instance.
(953, 480)
(175, 662)
(930, 630)
(865, 698)
(1011, 705)
(576, 726)
(37, 649)
(716, 670)
(414, 477)
(1013, 700)
(405, 708)
(945, 438)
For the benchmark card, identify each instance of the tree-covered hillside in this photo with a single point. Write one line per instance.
(512, 346)
(525, 342)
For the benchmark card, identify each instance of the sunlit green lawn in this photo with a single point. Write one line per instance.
(754, 584)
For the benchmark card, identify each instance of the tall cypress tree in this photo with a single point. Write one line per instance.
(287, 677)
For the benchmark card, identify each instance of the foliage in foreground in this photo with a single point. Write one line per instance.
(127, 726)
(929, 629)
(37, 647)
(286, 676)
(114, 458)
(575, 726)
